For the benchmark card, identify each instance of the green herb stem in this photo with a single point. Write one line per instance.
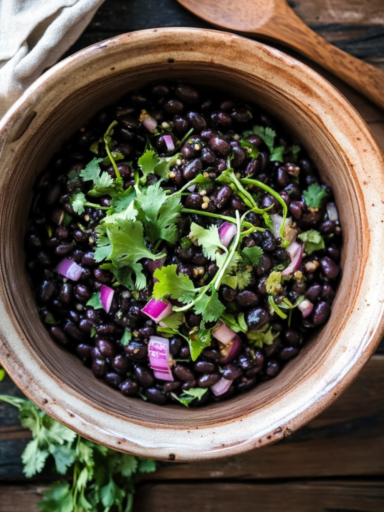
(106, 143)
(95, 205)
(219, 276)
(217, 216)
(276, 308)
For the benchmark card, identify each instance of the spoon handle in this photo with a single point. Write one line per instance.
(363, 77)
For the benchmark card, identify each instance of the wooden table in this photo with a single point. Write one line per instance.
(333, 464)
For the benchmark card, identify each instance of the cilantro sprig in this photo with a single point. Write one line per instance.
(314, 195)
(96, 478)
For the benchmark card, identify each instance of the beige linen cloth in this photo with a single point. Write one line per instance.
(34, 34)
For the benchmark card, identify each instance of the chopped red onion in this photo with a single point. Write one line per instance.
(106, 296)
(332, 212)
(295, 251)
(221, 387)
(159, 358)
(305, 307)
(169, 142)
(226, 233)
(223, 333)
(148, 121)
(69, 269)
(231, 351)
(157, 309)
(192, 188)
(155, 264)
(290, 233)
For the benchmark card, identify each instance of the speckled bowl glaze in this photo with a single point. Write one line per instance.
(348, 159)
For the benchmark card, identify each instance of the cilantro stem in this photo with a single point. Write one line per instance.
(106, 143)
(250, 201)
(136, 185)
(276, 308)
(219, 276)
(95, 205)
(188, 134)
(217, 216)
(273, 193)
(129, 506)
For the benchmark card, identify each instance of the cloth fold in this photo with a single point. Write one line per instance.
(34, 34)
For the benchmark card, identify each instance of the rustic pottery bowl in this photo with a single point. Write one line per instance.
(349, 160)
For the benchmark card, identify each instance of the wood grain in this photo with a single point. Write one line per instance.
(352, 430)
(255, 497)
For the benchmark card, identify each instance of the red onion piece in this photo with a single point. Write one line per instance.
(277, 222)
(295, 251)
(226, 233)
(169, 142)
(333, 214)
(192, 188)
(157, 309)
(223, 334)
(231, 351)
(305, 307)
(148, 121)
(290, 233)
(221, 387)
(159, 358)
(106, 296)
(69, 269)
(155, 264)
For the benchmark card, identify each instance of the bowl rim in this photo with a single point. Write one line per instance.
(88, 419)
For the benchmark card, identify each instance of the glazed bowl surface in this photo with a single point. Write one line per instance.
(348, 159)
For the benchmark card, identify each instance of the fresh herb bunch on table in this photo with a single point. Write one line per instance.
(183, 246)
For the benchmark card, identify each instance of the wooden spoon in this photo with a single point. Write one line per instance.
(274, 19)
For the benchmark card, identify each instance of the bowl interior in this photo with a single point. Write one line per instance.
(72, 109)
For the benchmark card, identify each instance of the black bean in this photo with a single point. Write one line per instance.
(256, 318)
(208, 379)
(231, 372)
(121, 363)
(113, 379)
(197, 121)
(246, 384)
(105, 329)
(136, 350)
(64, 249)
(103, 276)
(59, 335)
(106, 348)
(272, 368)
(313, 292)
(320, 313)
(288, 353)
(329, 267)
(174, 345)
(74, 316)
(43, 258)
(61, 232)
(191, 170)
(212, 269)
(193, 320)
(327, 292)
(145, 332)
(211, 353)
(268, 243)
(220, 146)
(84, 351)
(247, 298)
(181, 125)
(172, 386)
(186, 269)
(129, 387)
(222, 195)
(241, 114)
(85, 325)
(160, 90)
(52, 195)
(95, 316)
(185, 352)
(187, 93)
(173, 107)
(281, 177)
(83, 291)
(208, 156)
(220, 118)
(204, 367)
(156, 396)
(99, 368)
(333, 253)
(89, 259)
(199, 258)
(228, 293)
(74, 332)
(292, 337)
(194, 201)
(47, 291)
(183, 373)
(144, 376)
(265, 265)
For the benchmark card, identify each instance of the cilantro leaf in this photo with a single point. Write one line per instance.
(146, 465)
(244, 277)
(163, 168)
(2, 374)
(92, 170)
(189, 395)
(147, 163)
(313, 241)
(273, 283)
(103, 185)
(126, 338)
(159, 213)
(173, 321)
(260, 337)
(199, 341)
(209, 307)
(58, 498)
(63, 457)
(78, 202)
(236, 324)
(95, 301)
(122, 200)
(268, 136)
(252, 255)
(33, 458)
(295, 150)
(111, 494)
(314, 195)
(209, 240)
(251, 149)
(169, 284)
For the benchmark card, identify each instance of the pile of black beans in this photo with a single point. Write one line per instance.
(54, 231)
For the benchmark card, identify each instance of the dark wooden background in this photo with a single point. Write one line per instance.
(336, 462)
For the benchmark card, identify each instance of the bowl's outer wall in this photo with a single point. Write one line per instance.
(349, 160)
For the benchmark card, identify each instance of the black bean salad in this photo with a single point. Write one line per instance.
(183, 246)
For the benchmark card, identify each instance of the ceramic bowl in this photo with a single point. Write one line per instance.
(349, 160)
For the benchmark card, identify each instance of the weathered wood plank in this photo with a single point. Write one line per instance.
(20, 498)
(284, 497)
(345, 440)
